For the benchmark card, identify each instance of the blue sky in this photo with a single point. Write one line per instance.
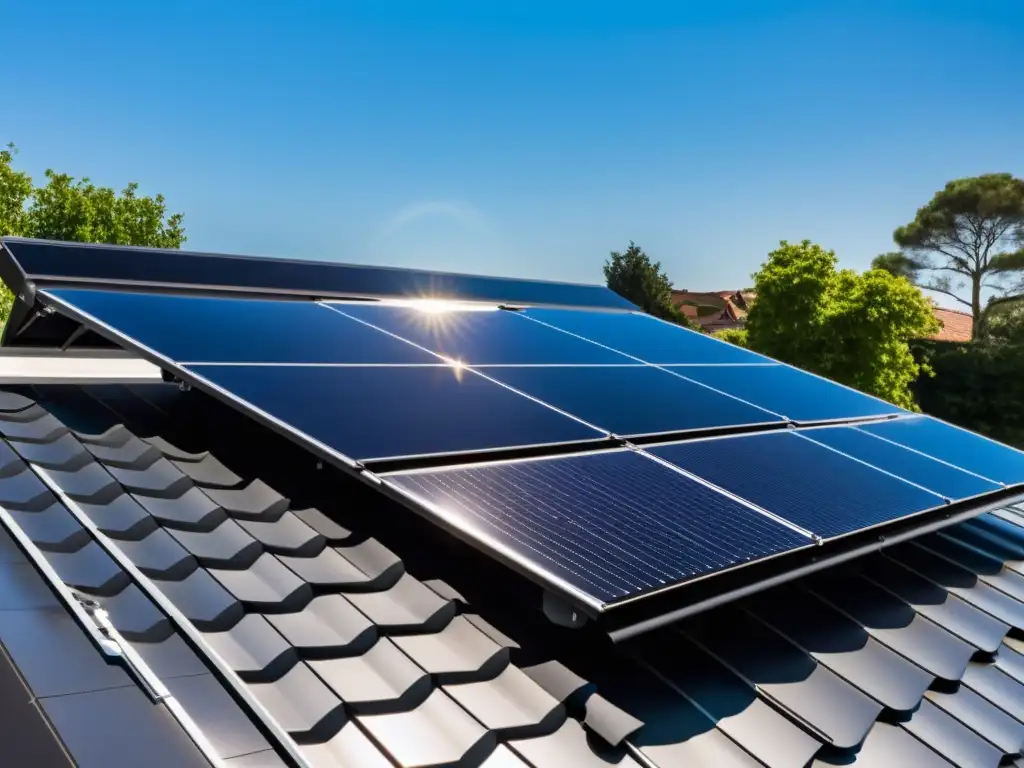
(523, 138)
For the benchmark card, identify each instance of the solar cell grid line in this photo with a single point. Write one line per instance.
(798, 395)
(612, 524)
(480, 335)
(919, 468)
(631, 402)
(644, 337)
(209, 329)
(375, 413)
(801, 481)
(960, 447)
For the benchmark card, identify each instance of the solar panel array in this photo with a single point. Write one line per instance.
(730, 457)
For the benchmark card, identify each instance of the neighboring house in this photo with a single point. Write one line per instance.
(956, 325)
(720, 310)
(182, 585)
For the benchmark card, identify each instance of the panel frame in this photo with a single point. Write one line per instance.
(621, 620)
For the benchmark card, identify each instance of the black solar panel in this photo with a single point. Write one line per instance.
(610, 525)
(802, 481)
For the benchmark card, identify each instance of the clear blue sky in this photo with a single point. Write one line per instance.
(529, 138)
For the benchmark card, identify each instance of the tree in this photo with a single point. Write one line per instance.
(66, 209)
(737, 336)
(849, 327)
(633, 276)
(968, 238)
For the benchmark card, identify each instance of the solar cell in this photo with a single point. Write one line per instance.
(223, 330)
(632, 401)
(611, 524)
(802, 481)
(385, 412)
(799, 396)
(959, 447)
(915, 467)
(478, 337)
(104, 264)
(646, 338)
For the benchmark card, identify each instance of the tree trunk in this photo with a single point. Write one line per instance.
(976, 305)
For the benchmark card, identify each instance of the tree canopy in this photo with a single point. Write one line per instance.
(968, 239)
(633, 275)
(852, 328)
(66, 209)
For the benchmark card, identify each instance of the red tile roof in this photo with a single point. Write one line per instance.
(956, 325)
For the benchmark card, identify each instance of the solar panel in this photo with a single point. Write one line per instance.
(487, 336)
(799, 396)
(646, 338)
(811, 486)
(916, 467)
(959, 447)
(222, 330)
(610, 525)
(104, 265)
(632, 401)
(376, 412)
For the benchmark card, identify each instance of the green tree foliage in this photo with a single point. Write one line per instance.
(633, 275)
(737, 336)
(66, 209)
(852, 328)
(968, 239)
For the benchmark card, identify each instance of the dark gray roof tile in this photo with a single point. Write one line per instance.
(42, 428)
(53, 528)
(192, 511)
(135, 616)
(990, 682)
(226, 546)
(90, 569)
(256, 501)
(10, 462)
(492, 632)
(349, 747)
(25, 491)
(22, 587)
(322, 524)
(170, 658)
(568, 747)
(161, 479)
(609, 721)
(120, 518)
(793, 680)
(9, 551)
(266, 585)
(227, 727)
(383, 679)
(287, 535)
(510, 703)
(302, 704)
(115, 435)
(253, 649)
(558, 680)
(12, 401)
(208, 471)
(458, 653)
(171, 451)
(982, 717)
(268, 758)
(132, 454)
(54, 655)
(63, 453)
(332, 568)
(949, 737)
(377, 562)
(121, 727)
(88, 483)
(844, 647)
(158, 555)
(1010, 661)
(895, 624)
(445, 590)
(329, 626)
(436, 733)
(32, 412)
(203, 601)
(888, 746)
(407, 606)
